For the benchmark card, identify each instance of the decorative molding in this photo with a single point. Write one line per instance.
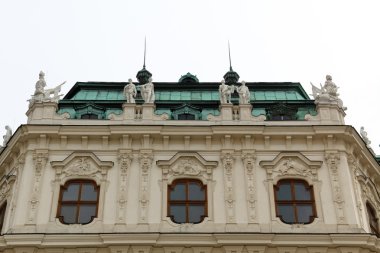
(227, 158)
(40, 158)
(249, 159)
(145, 159)
(84, 165)
(186, 164)
(291, 164)
(333, 160)
(125, 160)
(353, 164)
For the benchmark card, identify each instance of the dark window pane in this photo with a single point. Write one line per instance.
(287, 213)
(178, 213)
(89, 193)
(2, 215)
(86, 213)
(284, 192)
(196, 213)
(71, 193)
(89, 116)
(178, 193)
(186, 116)
(69, 214)
(301, 193)
(304, 213)
(196, 192)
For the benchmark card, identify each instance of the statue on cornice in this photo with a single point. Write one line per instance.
(45, 95)
(244, 94)
(7, 136)
(130, 92)
(327, 93)
(364, 135)
(147, 92)
(225, 92)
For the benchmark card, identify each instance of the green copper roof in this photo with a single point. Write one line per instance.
(275, 100)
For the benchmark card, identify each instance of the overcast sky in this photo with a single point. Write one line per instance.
(297, 41)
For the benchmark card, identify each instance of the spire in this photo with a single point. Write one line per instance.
(143, 75)
(231, 77)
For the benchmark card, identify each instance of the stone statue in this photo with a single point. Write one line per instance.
(244, 94)
(364, 134)
(45, 95)
(40, 84)
(225, 92)
(147, 92)
(327, 93)
(130, 92)
(7, 136)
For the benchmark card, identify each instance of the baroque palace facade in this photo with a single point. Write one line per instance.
(188, 167)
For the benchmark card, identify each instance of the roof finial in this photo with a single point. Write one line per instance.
(229, 54)
(144, 52)
(231, 77)
(144, 75)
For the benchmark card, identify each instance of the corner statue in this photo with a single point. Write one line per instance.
(42, 95)
(130, 92)
(328, 93)
(225, 92)
(244, 94)
(147, 92)
(7, 136)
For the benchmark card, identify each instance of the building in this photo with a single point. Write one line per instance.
(188, 167)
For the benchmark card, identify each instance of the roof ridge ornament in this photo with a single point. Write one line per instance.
(143, 75)
(231, 77)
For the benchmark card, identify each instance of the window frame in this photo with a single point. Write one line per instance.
(187, 202)
(295, 202)
(78, 202)
(371, 213)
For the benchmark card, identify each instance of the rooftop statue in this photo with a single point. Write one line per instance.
(130, 92)
(327, 93)
(7, 136)
(364, 134)
(225, 92)
(147, 92)
(244, 94)
(45, 95)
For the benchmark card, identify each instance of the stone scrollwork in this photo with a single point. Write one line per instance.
(333, 160)
(5, 188)
(40, 158)
(145, 159)
(291, 164)
(357, 174)
(228, 159)
(125, 160)
(249, 159)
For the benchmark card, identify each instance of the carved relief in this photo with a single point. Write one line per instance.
(356, 173)
(5, 188)
(146, 159)
(125, 160)
(333, 160)
(291, 164)
(81, 166)
(229, 195)
(40, 158)
(249, 159)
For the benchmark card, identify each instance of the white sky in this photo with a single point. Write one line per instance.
(284, 40)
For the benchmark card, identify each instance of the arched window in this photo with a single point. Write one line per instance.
(373, 221)
(294, 201)
(78, 202)
(187, 201)
(2, 215)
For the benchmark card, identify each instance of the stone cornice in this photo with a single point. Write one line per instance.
(363, 241)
